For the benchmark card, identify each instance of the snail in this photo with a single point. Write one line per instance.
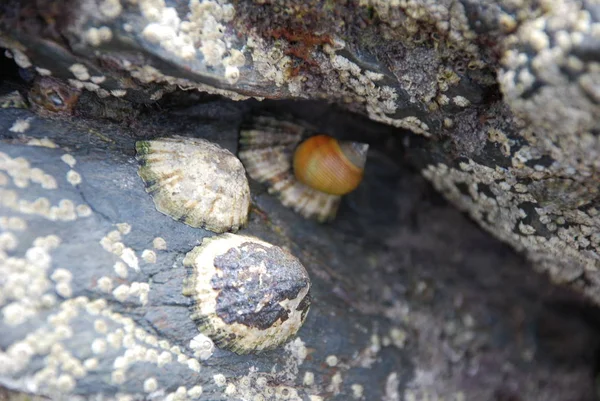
(195, 181)
(309, 173)
(248, 296)
(50, 95)
(328, 165)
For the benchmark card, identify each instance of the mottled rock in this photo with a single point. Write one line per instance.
(502, 97)
(417, 303)
(505, 91)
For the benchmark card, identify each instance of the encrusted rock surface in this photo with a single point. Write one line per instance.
(502, 98)
(507, 92)
(418, 303)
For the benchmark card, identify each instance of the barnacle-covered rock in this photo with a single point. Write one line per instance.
(249, 295)
(310, 176)
(91, 302)
(195, 181)
(507, 91)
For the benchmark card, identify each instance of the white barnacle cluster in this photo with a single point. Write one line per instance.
(80, 72)
(201, 32)
(116, 340)
(32, 288)
(73, 177)
(147, 74)
(83, 78)
(128, 260)
(362, 87)
(62, 279)
(112, 242)
(258, 385)
(12, 223)
(565, 231)
(552, 88)
(297, 350)
(411, 123)
(271, 62)
(97, 36)
(345, 79)
(544, 75)
(25, 288)
(23, 174)
(449, 21)
(135, 289)
(552, 36)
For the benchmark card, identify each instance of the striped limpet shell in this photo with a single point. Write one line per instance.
(248, 295)
(195, 181)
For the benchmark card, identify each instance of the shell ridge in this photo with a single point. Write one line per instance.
(267, 148)
(194, 181)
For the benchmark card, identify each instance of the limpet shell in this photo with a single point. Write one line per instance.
(248, 295)
(267, 148)
(195, 181)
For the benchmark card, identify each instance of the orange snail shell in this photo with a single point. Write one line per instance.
(330, 166)
(323, 170)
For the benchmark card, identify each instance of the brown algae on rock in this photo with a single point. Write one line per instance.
(248, 295)
(195, 181)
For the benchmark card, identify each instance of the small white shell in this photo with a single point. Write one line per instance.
(249, 295)
(196, 182)
(267, 151)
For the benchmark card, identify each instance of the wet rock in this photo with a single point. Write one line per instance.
(502, 99)
(416, 303)
(506, 93)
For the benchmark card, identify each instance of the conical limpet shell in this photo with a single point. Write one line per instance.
(308, 176)
(196, 182)
(249, 295)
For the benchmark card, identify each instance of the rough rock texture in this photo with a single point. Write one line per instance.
(503, 97)
(506, 91)
(417, 303)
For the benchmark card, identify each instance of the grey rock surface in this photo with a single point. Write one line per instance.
(506, 92)
(411, 301)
